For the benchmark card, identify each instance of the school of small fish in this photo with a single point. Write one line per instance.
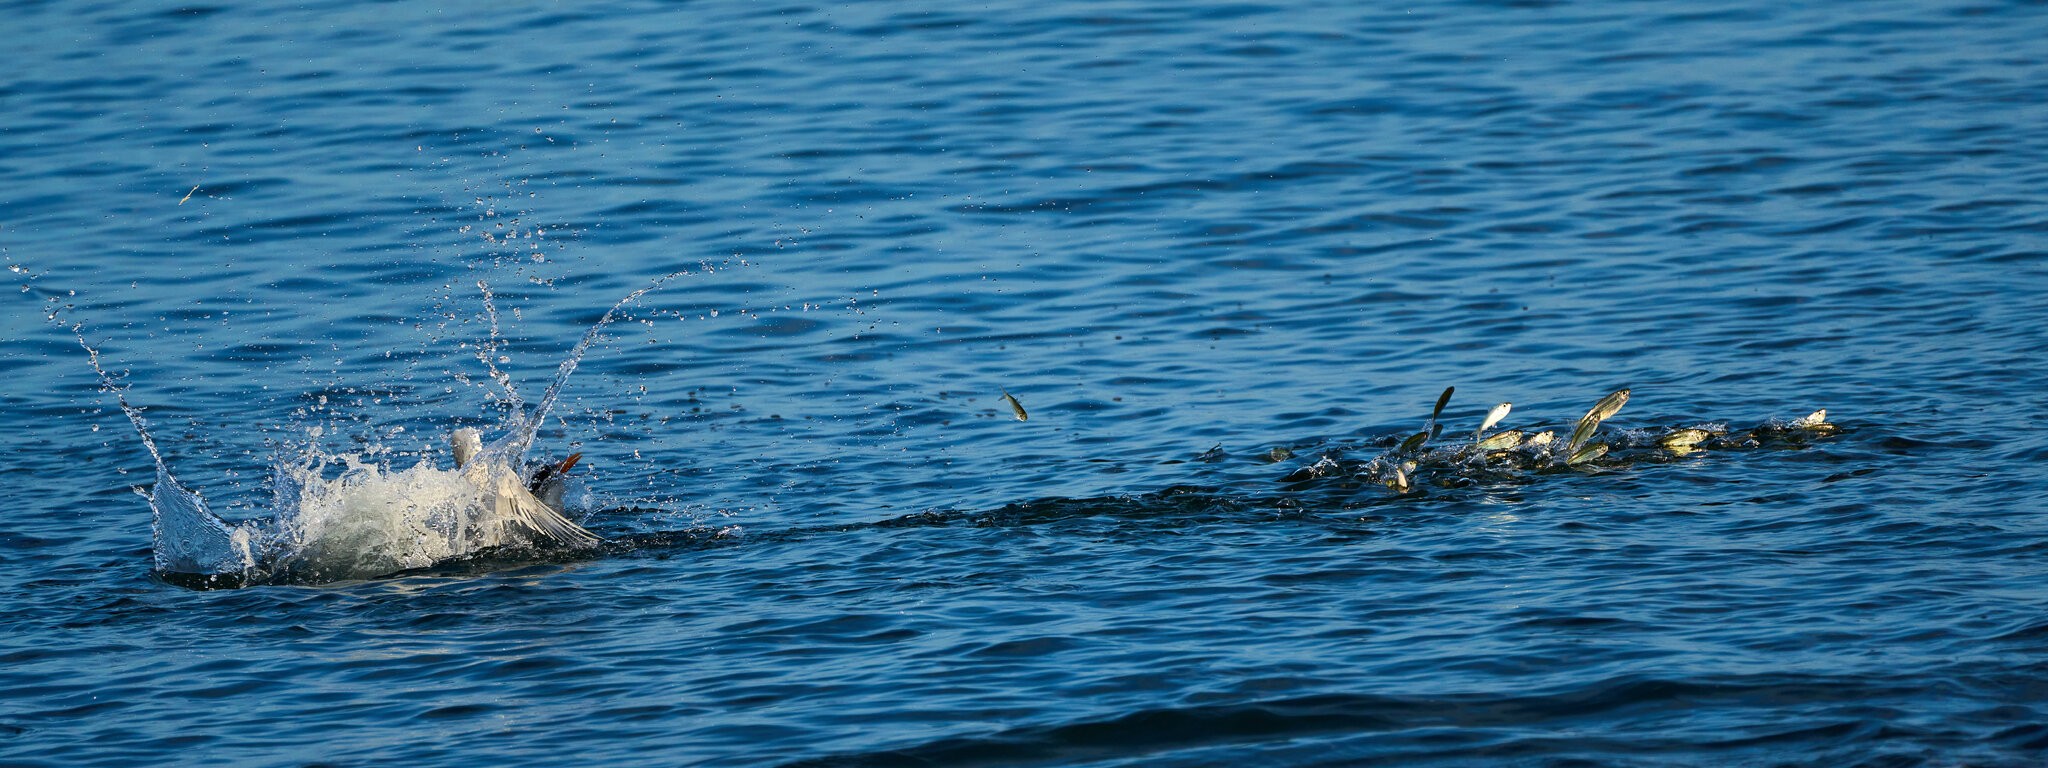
(1405, 463)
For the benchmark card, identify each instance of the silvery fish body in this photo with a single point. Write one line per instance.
(1410, 463)
(1492, 417)
(1590, 423)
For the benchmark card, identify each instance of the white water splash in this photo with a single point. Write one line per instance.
(186, 537)
(366, 520)
(342, 517)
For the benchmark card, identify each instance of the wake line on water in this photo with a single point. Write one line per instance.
(1405, 468)
(369, 520)
(1408, 467)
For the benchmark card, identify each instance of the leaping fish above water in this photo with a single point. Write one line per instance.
(1016, 408)
(1407, 464)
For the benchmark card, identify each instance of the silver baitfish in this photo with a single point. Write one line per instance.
(1492, 417)
(1816, 422)
(1590, 423)
(1683, 441)
(1016, 408)
(1501, 441)
(1407, 464)
(1586, 454)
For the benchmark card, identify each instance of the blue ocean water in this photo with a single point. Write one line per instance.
(1183, 236)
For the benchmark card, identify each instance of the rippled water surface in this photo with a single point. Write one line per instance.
(1182, 235)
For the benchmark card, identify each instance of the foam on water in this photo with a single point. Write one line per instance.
(369, 520)
(338, 517)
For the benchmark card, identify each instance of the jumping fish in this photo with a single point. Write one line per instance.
(1414, 442)
(1492, 417)
(1436, 427)
(1816, 422)
(1397, 480)
(1409, 465)
(1500, 441)
(1683, 441)
(1015, 407)
(1430, 429)
(1590, 423)
(1586, 454)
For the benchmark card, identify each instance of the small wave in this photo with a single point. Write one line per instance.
(1734, 717)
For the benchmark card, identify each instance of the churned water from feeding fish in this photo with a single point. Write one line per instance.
(1228, 256)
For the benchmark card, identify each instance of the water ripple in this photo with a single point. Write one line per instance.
(1183, 236)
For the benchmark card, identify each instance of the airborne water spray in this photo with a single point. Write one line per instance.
(368, 520)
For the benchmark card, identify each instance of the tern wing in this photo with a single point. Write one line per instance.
(519, 508)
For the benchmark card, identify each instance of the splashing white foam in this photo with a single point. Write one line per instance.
(366, 520)
(342, 517)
